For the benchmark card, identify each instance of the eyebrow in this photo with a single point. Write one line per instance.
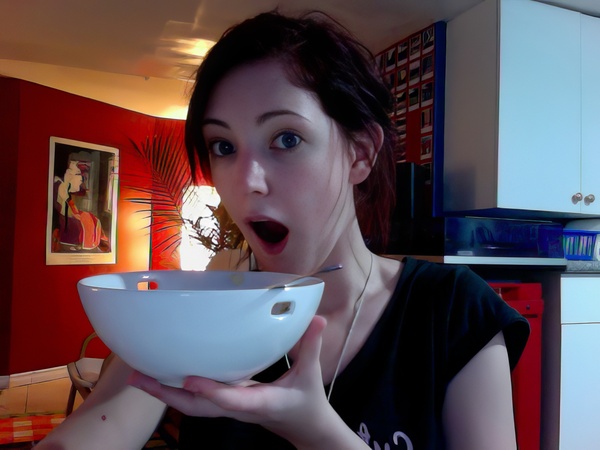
(260, 120)
(209, 121)
(279, 112)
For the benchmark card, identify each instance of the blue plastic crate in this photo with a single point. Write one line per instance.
(579, 244)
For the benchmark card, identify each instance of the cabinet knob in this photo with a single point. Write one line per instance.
(589, 199)
(576, 198)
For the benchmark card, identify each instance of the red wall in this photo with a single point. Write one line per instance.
(42, 322)
(9, 108)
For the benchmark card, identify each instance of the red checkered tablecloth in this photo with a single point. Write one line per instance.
(28, 428)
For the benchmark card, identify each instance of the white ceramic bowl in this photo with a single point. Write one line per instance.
(220, 325)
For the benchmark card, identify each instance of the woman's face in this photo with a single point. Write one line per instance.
(281, 167)
(74, 177)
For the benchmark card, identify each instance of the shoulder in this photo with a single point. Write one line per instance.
(448, 281)
(464, 308)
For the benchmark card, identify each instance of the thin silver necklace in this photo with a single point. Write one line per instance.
(357, 308)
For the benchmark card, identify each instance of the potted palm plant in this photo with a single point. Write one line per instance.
(164, 187)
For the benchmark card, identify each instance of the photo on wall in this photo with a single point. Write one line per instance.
(82, 203)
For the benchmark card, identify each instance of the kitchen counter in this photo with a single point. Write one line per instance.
(505, 260)
(583, 266)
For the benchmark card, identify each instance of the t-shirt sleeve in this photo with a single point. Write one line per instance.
(475, 314)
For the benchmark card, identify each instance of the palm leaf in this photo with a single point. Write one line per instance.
(163, 188)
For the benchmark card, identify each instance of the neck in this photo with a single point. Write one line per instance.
(342, 287)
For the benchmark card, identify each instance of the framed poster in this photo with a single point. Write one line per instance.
(83, 185)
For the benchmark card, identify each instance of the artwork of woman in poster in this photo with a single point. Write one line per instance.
(75, 229)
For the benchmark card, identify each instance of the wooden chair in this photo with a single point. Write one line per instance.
(84, 374)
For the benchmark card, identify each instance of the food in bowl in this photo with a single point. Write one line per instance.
(217, 324)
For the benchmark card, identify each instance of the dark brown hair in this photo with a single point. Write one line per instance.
(324, 58)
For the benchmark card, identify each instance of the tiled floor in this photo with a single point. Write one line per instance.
(43, 397)
(33, 404)
(31, 396)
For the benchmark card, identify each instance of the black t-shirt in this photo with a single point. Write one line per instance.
(392, 392)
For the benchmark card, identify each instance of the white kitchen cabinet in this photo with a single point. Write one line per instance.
(513, 116)
(580, 362)
(590, 113)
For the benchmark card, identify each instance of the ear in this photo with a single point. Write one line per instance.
(365, 147)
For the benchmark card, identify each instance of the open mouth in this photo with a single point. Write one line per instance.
(270, 231)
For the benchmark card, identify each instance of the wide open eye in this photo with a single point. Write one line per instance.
(221, 148)
(286, 140)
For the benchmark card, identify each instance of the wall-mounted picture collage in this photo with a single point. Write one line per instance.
(408, 68)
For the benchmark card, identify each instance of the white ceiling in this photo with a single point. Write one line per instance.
(124, 51)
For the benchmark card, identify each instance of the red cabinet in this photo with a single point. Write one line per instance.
(526, 376)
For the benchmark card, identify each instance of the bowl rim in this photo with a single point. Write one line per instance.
(88, 282)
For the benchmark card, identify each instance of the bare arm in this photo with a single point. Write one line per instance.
(115, 416)
(478, 409)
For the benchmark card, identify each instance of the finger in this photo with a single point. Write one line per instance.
(143, 382)
(200, 385)
(181, 399)
(229, 398)
(310, 345)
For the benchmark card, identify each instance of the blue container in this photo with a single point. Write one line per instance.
(579, 244)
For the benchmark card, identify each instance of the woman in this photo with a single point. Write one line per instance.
(289, 119)
(76, 229)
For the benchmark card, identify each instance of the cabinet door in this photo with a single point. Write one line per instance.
(579, 299)
(579, 392)
(580, 364)
(471, 119)
(590, 110)
(539, 126)
(513, 108)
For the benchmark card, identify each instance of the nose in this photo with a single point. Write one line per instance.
(252, 174)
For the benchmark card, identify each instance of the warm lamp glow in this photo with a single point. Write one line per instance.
(194, 47)
(133, 223)
(175, 112)
(202, 46)
(194, 256)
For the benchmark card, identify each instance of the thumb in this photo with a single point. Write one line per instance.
(309, 349)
